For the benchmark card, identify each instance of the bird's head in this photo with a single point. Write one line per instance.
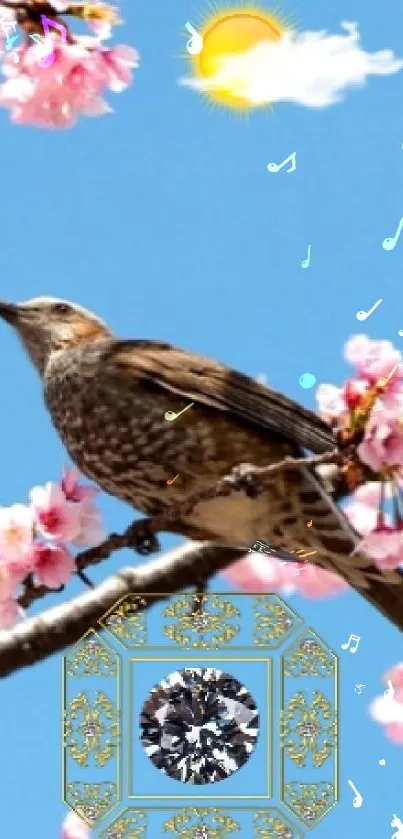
(45, 324)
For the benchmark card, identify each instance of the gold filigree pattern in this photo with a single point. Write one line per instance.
(309, 802)
(201, 823)
(90, 658)
(125, 623)
(91, 801)
(274, 621)
(131, 824)
(97, 731)
(310, 728)
(309, 658)
(196, 626)
(271, 824)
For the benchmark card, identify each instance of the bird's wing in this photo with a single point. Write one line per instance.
(208, 382)
(335, 541)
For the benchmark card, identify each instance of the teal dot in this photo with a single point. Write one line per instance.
(307, 380)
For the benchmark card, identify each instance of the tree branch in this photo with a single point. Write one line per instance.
(140, 535)
(36, 638)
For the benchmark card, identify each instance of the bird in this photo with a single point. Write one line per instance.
(107, 398)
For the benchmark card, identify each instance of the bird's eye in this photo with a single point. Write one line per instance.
(61, 308)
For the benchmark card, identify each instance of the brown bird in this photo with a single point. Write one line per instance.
(107, 399)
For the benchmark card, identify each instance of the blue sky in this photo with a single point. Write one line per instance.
(163, 218)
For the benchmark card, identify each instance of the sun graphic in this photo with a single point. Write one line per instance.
(233, 32)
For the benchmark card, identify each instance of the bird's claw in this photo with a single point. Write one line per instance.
(243, 478)
(142, 539)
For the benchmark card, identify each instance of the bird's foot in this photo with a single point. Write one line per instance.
(141, 537)
(243, 478)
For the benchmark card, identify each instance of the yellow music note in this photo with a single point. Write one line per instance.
(170, 416)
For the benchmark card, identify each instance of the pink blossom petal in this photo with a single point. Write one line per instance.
(16, 532)
(256, 573)
(7, 583)
(53, 564)
(10, 613)
(382, 445)
(369, 494)
(314, 582)
(55, 517)
(362, 517)
(56, 95)
(382, 542)
(91, 532)
(73, 490)
(394, 732)
(74, 828)
(330, 400)
(356, 350)
(395, 675)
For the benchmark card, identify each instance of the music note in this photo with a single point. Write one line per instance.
(364, 315)
(37, 39)
(389, 243)
(275, 167)
(170, 416)
(396, 822)
(306, 262)
(172, 479)
(383, 381)
(390, 691)
(358, 798)
(10, 42)
(356, 638)
(47, 60)
(195, 44)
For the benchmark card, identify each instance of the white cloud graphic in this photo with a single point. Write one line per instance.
(308, 68)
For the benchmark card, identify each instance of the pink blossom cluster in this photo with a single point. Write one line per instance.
(74, 828)
(83, 68)
(376, 407)
(373, 401)
(388, 708)
(33, 538)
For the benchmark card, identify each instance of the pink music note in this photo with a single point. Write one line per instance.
(49, 59)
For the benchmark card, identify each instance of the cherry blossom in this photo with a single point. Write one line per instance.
(53, 564)
(61, 513)
(313, 582)
(91, 531)
(54, 95)
(16, 533)
(73, 490)
(7, 583)
(10, 613)
(55, 517)
(388, 709)
(258, 572)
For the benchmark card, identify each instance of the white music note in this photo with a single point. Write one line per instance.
(396, 822)
(306, 262)
(389, 243)
(364, 315)
(356, 638)
(275, 167)
(357, 801)
(195, 44)
(390, 691)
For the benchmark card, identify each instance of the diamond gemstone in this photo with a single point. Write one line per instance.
(199, 725)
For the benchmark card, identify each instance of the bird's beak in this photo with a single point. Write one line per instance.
(9, 312)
